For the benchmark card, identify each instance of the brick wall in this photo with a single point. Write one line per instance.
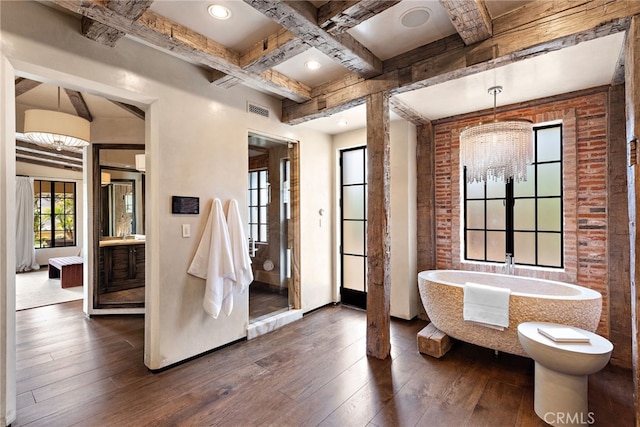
(585, 137)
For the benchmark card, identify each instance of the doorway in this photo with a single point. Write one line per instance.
(353, 226)
(272, 226)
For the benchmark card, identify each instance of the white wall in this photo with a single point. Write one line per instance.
(7, 243)
(196, 145)
(404, 288)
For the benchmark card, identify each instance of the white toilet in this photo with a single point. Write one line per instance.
(561, 371)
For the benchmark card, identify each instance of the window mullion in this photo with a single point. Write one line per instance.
(509, 207)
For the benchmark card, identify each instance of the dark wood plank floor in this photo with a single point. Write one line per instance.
(90, 372)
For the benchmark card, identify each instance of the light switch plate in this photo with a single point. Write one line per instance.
(186, 230)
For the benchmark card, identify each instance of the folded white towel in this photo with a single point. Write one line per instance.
(213, 262)
(486, 304)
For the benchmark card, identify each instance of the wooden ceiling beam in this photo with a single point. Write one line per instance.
(267, 53)
(300, 18)
(28, 152)
(339, 16)
(130, 108)
(168, 35)
(58, 164)
(407, 113)
(75, 156)
(107, 35)
(545, 33)
(24, 85)
(470, 18)
(79, 104)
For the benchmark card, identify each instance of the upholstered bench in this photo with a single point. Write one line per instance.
(68, 269)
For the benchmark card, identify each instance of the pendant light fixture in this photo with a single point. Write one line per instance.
(56, 129)
(499, 149)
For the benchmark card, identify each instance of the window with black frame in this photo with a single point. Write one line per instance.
(258, 197)
(54, 220)
(525, 218)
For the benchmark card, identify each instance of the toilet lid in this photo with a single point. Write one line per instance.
(596, 344)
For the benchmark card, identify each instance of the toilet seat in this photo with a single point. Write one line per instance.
(562, 370)
(568, 358)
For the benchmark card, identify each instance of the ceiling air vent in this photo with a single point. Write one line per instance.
(257, 109)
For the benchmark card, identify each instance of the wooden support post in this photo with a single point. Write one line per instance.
(378, 236)
(425, 193)
(632, 101)
(426, 190)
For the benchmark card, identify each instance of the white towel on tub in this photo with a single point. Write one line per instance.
(487, 305)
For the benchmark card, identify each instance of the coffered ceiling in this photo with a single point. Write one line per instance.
(436, 58)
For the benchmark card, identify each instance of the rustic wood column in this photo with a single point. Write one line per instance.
(378, 236)
(632, 100)
(425, 193)
(426, 190)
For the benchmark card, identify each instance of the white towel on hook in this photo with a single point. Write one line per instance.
(213, 261)
(239, 248)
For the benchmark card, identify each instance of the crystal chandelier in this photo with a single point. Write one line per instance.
(56, 129)
(499, 149)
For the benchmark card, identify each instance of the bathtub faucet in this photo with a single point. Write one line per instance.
(509, 265)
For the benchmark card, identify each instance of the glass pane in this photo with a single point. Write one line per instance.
(353, 269)
(475, 190)
(253, 197)
(475, 245)
(549, 148)
(45, 186)
(253, 214)
(45, 222)
(496, 215)
(262, 179)
(253, 180)
(549, 215)
(549, 183)
(69, 206)
(496, 246)
(549, 251)
(59, 187)
(475, 214)
(524, 248)
(353, 233)
(353, 199)
(69, 189)
(523, 214)
(264, 196)
(253, 231)
(353, 167)
(495, 189)
(526, 188)
(263, 233)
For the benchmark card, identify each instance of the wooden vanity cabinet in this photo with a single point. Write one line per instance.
(121, 267)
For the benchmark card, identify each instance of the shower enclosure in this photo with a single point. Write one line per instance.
(271, 231)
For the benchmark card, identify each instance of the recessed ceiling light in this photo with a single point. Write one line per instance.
(219, 11)
(312, 65)
(415, 17)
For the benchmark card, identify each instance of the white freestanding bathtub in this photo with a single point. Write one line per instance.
(531, 300)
